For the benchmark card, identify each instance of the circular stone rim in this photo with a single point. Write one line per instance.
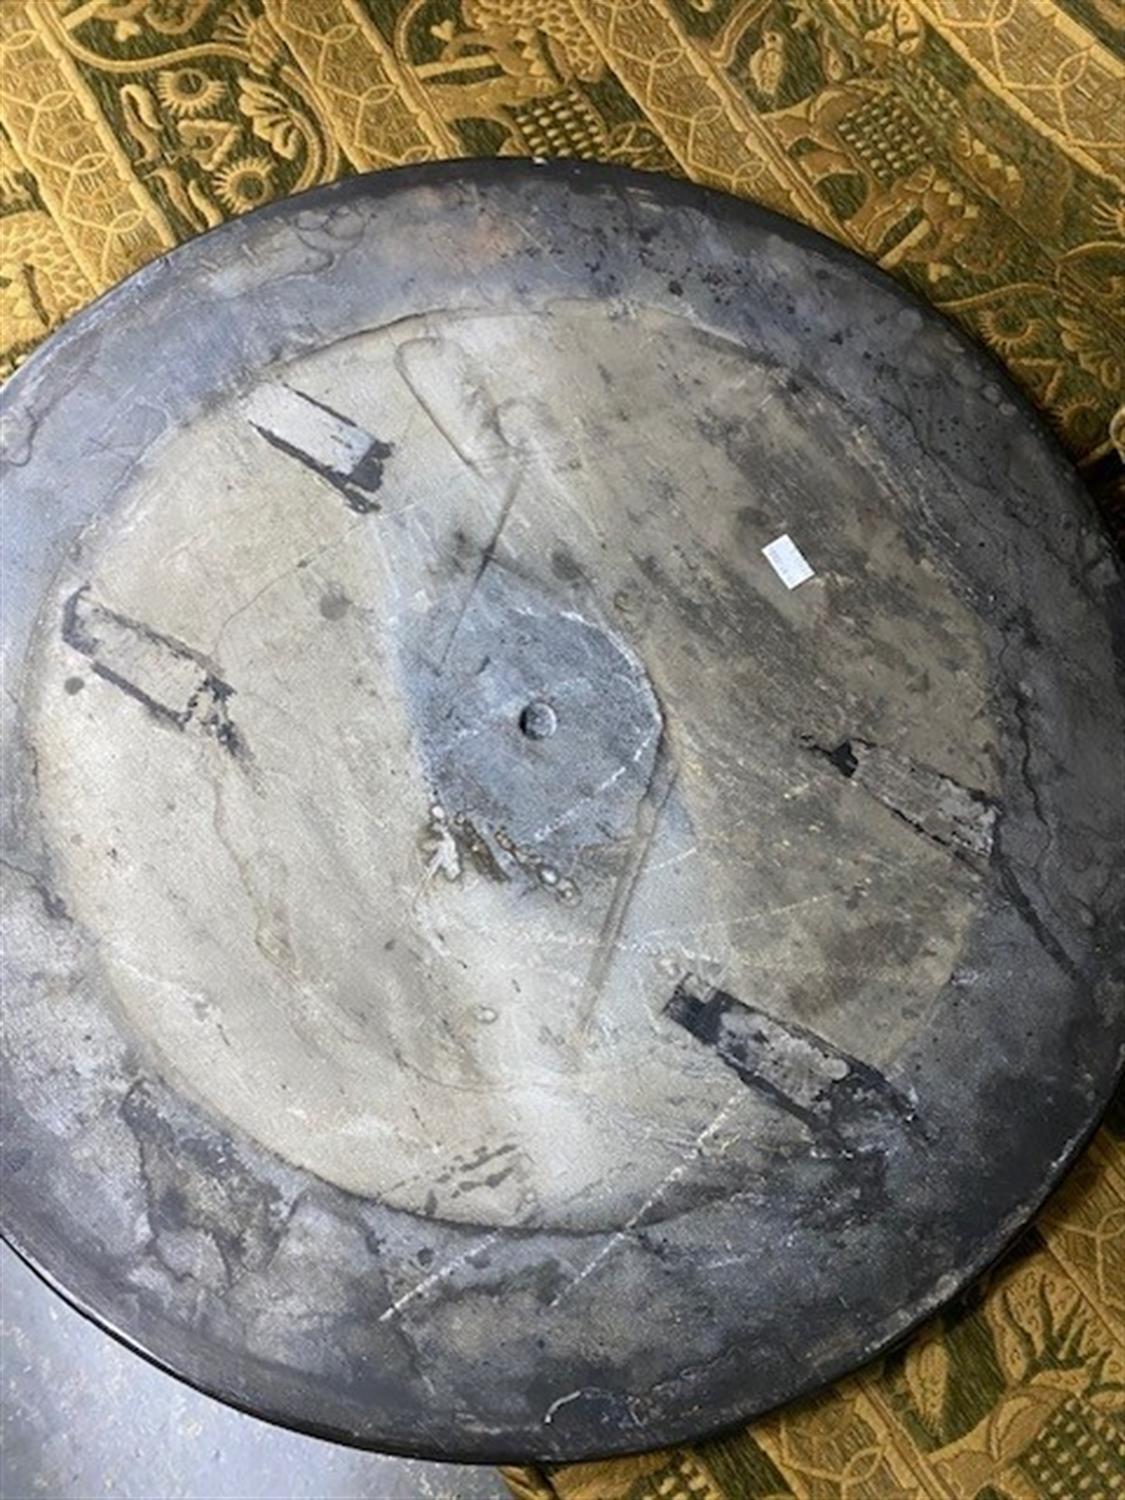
(897, 1326)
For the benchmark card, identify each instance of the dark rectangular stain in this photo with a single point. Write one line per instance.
(961, 819)
(358, 484)
(831, 1092)
(172, 681)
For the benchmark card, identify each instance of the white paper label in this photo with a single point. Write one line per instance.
(788, 561)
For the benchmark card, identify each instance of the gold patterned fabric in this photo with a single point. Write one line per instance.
(975, 149)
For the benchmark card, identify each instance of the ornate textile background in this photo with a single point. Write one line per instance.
(973, 148)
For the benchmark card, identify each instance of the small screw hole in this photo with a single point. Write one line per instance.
(538, 721)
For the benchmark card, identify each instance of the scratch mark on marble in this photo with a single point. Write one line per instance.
(549, 1414)
(443, 1273)
(649, 811)
(670, 1178)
